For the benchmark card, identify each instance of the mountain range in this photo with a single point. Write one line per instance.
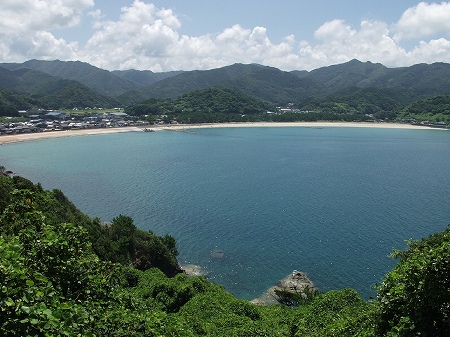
(68, 84)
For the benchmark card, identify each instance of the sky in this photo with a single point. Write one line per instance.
(205, 34)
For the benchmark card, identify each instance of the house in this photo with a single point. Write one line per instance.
(117, 115)
(56, 115)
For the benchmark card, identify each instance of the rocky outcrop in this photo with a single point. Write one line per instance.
(296, 282)
(194, 270)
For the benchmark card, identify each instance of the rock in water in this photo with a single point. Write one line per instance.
(296, 282)
(217, 254)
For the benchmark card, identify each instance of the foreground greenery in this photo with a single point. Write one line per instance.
(63, 274)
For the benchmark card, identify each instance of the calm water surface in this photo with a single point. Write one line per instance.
(332, 202)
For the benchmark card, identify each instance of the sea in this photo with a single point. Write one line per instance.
(250, 205)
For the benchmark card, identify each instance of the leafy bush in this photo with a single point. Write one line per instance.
(414, 298)
(335, 313)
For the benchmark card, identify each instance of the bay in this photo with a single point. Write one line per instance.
(249, 205)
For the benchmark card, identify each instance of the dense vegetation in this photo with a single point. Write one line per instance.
(64, 274)
(11, 103)
(215, 105)
(208, 105)
(433, 109)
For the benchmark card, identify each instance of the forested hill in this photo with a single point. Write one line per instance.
(348, 88)
(208, 105)
(99, 80)
(25, 89)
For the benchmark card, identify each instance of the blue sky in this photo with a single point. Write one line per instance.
(200, 34)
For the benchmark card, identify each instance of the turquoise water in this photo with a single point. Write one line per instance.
(331, 202)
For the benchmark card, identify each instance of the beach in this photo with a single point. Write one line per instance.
(24, 137)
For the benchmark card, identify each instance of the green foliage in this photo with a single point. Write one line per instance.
(119, 242)
(335, 313)
(433, 109)
(294, 299)
(11, 102)
(122, 242)
(382, 103)
(53, 285)
(414, 298)
(46, 271)
(196, 106)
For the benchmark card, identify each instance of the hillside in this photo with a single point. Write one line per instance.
(417, 81)
(212, 105)
(11, 102)
(77, 95)
(42, 90)
(144, 77)
(363, 87)
(435, 109)
(350, 74)
(101, 81)
(265, 83)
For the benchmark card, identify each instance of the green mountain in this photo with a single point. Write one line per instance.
(144, 77)
(351, 74)
(266, 83)
(417, 81)
(207, 105)
(421, 80)
(352, 86)
(77, 95)
(99, 80)
(50, 92)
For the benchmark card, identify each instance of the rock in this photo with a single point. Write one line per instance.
(296, 282)
(217, 254)
(194, 270)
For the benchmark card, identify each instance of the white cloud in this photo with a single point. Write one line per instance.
(25, 25)
(424, 20)
(34, 15)
(334, 30)
(96, 14)
(341, 43)
(147, 37)
(433, 51)
(142, 34)
(46, 45)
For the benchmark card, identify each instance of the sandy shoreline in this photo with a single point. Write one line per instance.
(70, 133)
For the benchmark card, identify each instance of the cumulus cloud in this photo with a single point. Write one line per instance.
(25, 25)
(147, 37)
(34, 15)
(424, 20)
(340, 43)
(141, 34)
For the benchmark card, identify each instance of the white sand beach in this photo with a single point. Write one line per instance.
(180, 127)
